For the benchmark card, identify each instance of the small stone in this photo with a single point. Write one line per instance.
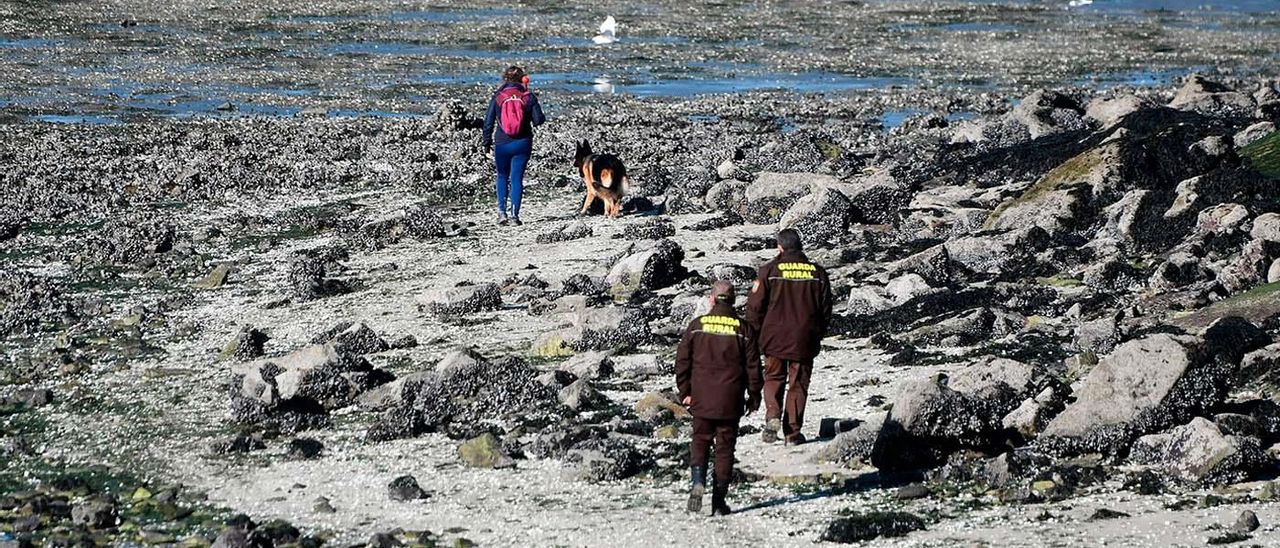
(1043, 486)
(383, 540)
(654, 404)
(1247, 522)
(913, 491)
(727, 169)
(405, 488)
(322, 506)
(305, 448)
(214, 279)
(240, 443)
(1269, 491)
(668, 432)
(484, 451)
(94, 514)
(861, 527)
(1105, 513)
(1230, 537)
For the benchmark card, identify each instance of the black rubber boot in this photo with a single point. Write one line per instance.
(718, 506)
(698, 488)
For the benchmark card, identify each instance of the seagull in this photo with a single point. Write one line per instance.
(608, 30)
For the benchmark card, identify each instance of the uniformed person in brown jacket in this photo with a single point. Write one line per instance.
(790, 307)
(718, 375)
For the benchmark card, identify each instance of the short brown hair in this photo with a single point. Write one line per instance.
(513, 74)
(722, 292)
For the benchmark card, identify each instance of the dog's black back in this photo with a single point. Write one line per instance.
(599, 164)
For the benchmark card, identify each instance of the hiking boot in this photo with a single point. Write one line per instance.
(718, 506)
(698, 489)
(515, 221)
(771, 428)
(502, 220)
(796, 439)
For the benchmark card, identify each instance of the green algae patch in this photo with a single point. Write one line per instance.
(1060, 280)
(1264, 155)
(551, 345)
(1254, 305)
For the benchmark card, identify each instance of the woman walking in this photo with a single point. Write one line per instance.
(515, 110)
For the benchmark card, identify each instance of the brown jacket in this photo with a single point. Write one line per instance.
(790, 307)
(717, 363)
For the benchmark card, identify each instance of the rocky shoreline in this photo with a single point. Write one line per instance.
(1063, 312)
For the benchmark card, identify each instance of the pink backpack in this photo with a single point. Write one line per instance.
(511, 103)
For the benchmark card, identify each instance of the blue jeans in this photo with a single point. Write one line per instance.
(511, 159)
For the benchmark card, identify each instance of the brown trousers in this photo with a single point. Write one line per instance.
(790, 379)
(725, 434)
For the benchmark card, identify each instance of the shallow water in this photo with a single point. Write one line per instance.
(370, 61)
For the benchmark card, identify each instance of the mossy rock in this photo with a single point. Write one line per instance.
(484, 451)
(1255, 305)
(551, 345)
(1077, 170)
(1060, 280)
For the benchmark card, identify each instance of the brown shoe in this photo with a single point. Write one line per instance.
(796, 439)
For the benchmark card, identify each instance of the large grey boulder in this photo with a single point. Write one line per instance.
(607, 459)
(659, 266)
(772, 194)
(1260, 371)
(878, 199)
(317, 374)
(932, 264)
(581, 396)
(929, 420)
(1249, 268)
(1252, 133)
(595, 329)
(463, 299)
(1212, 98)
(353, 338)
(869, 299)
(819, 217)
(853, 448)
(984, 376)
(589, 365)
(466, 389)
(1200, 452)
(729, 196)
(1002, 254)
(1099, 336)
(1048, 113)
(1108, 111)
(1266, 227)
(1144, 386)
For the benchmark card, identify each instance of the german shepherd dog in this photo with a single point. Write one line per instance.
(605, 177)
